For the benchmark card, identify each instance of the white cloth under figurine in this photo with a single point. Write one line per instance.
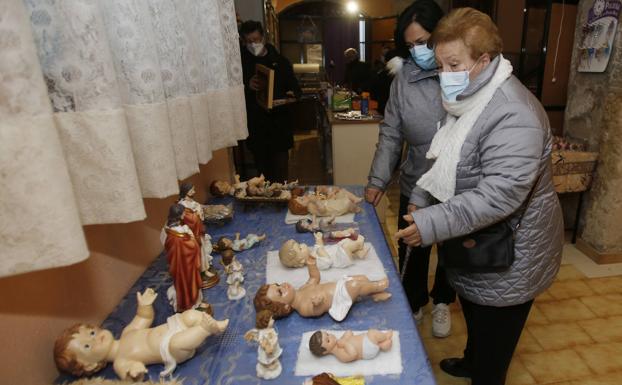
(335, 257)
(371, 266)
(370, 350)
(174, 327)
(342, 302)
(385, 363)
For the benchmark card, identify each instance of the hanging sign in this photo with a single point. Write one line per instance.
(597, 35)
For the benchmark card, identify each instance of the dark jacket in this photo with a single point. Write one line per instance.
(358, 76)
(269, 130)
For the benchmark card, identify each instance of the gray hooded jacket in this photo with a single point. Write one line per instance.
(506, 151)
(412, 115)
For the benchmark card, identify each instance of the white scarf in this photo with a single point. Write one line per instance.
(440, 180)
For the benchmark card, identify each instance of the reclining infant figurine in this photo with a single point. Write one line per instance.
(85, 349)
(294, 254)
(351, 347)
(313, 299)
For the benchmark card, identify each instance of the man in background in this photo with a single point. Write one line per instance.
(358, 74)
(270, 134)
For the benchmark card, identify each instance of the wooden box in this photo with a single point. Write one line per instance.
(573, 170)
(265, 97)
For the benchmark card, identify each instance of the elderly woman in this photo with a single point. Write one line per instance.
(411, 116)
(492, 166)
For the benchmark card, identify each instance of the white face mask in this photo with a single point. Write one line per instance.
(255, 48)
(454, 83)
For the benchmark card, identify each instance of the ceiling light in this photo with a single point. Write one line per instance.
(352, 6)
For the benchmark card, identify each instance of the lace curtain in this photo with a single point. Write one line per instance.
(102, 103)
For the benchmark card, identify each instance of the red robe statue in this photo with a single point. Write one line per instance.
(183, 253)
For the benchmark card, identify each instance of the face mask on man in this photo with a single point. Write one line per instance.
(454, 83)
(255, 48)
(423, 56)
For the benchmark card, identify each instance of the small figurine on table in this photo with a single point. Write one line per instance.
(294, 254)
(193, 218)
(219, 188)
(312, 225)
(238, 244)
(235, 275)
(183, 254)
(85, 349)
(314, 299)
(351, 347)
(268, 352)
(321, 206)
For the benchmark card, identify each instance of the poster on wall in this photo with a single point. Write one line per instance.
(597, 35)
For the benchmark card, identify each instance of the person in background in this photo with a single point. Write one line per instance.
(358, 74)
(411, 116)
(381, 86)
(270, 134)
(492, 164)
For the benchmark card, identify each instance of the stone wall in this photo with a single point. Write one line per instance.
(594, 113)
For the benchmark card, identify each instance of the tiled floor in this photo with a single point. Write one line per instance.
(573, 334)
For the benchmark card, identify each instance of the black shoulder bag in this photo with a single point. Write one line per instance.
(487, 250)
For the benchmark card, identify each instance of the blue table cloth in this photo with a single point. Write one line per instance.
(228, 358)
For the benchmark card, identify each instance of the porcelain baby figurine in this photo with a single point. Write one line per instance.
(321, 207)
(294, 254)
(268, 352)
(235, 275)
(312, 225)
(313, 299)
(334, 192)
(239, 244)
(351, 347)
(85, 349)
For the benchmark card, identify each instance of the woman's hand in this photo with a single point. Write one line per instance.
(409, 235)
(373, 195)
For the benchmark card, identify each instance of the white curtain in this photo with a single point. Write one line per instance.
(141, 92)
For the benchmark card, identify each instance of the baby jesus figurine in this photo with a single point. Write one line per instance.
(314, 299)
(312, 225)
(319, 205)
(239, 244)
(294, 254)
(351, 347)
(85, 349)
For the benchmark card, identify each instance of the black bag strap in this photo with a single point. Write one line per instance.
(528, 201)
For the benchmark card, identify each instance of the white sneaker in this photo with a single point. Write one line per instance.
(418, 316)
(441, 321)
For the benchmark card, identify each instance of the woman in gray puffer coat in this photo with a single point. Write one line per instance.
(492, 151)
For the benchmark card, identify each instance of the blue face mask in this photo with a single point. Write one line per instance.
(423, 56)
(454, 83)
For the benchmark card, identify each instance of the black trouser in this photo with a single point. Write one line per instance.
(493, 333)
(272, 164)
(415, 274)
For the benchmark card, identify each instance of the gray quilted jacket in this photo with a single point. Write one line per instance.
(412, 115)
(507, 149)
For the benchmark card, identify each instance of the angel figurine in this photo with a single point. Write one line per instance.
(294, 254)
(268, 352)
(235, 275)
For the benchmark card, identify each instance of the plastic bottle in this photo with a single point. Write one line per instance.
(365, 103)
